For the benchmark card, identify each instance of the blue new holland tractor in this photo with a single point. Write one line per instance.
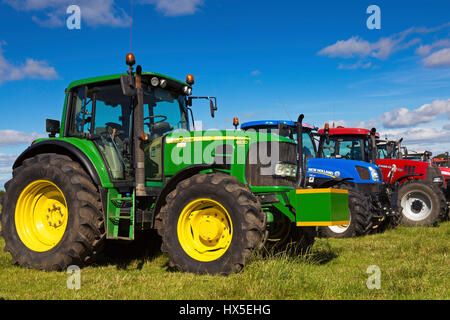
(372, 202)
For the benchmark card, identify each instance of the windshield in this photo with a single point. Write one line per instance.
(382, 152)
(387, 150)
(345, 147)
(164, 112)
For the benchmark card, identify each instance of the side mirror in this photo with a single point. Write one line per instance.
(212, 107)
(52, 127)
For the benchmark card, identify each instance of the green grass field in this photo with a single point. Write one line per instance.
(414, 264)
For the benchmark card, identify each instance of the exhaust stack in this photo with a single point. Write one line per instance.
(300, 170)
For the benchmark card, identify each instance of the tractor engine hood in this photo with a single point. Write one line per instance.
(233, 148)
(359, 171)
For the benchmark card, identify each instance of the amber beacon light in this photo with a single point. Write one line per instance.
(190, 79)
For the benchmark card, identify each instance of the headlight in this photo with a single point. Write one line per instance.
(374, 174)
(438, 179)
(285, 170)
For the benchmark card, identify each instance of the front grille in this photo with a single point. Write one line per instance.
(261, 160)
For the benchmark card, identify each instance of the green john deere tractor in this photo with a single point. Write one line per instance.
(127, 159)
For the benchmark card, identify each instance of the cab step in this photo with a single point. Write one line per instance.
(120, 216)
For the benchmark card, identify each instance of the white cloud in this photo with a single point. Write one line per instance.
(355, 46)
(369, 124)
(13, 137)
(420, 135)
(52, 13)
(440, 58)
(31, 69)
(402, 117)
(7, 159)
(383, 48)
(358, 47)
(174, 8)
(424, 50)
(255, 73)
(358, 65)
(6, 163)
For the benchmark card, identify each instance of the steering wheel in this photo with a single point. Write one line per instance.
(152, 117)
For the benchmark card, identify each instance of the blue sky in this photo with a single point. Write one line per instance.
(263, 59)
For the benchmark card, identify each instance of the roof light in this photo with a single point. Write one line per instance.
(130, 59)
(155, 81)
(190, 79)
(235, 122)
(327, 126)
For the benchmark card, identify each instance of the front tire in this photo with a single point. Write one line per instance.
(52, 216)
(210, 224)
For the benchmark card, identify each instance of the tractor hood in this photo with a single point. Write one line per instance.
(359, 171)
(222, 147)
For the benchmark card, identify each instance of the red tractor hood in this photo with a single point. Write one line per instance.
(445, 173)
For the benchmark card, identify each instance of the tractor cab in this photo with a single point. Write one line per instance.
(286, 129)
(98, 110)
(348, 143)
(424, 156)
(389, 149)
(102, 110)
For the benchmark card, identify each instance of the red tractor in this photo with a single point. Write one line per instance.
(422, 193)
(444, 165)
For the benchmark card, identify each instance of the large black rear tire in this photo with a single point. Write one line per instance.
(221, 209)
(423, 203)
(84, 233)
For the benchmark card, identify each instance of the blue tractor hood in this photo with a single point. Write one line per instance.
(360, 171)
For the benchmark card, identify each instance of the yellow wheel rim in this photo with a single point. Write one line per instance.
(205, 230)
(41, 215)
